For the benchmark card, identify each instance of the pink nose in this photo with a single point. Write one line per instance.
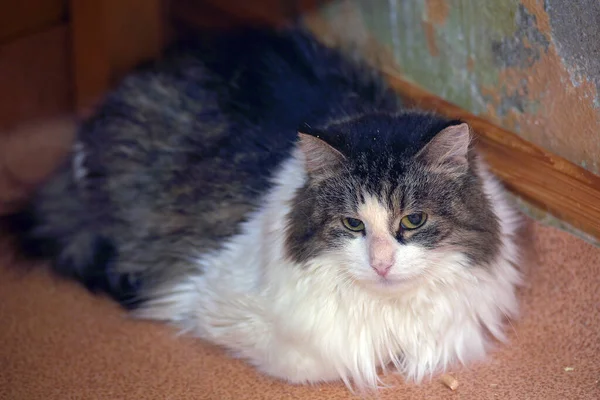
(382, 269)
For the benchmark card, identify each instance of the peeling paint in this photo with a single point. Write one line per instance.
(437, 11)
(565, 120)
(430, 38)
(575, 31)
(522, 49)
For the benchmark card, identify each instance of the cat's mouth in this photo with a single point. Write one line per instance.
(393, 283)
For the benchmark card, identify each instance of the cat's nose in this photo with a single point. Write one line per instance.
(382, 268)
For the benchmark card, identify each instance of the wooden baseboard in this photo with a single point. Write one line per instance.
(546, 180)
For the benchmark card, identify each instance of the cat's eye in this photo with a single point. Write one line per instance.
(413, 221)
(353, 224)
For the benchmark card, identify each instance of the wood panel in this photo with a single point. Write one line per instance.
(35, 77)
(110, 37)
(21, 17)
(548, 181)
(191, 14)
(232, 13)
(271, 12)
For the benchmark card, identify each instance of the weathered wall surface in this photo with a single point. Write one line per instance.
(532, 66)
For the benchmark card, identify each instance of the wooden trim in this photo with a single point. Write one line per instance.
(22, 18)
(110, 37)
(546, 180)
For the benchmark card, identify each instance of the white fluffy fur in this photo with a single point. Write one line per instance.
(334, 318)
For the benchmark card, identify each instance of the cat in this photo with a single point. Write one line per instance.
(271, 195)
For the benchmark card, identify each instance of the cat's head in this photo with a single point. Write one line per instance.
(391, 200)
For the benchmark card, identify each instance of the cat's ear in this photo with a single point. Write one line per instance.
(449, 149)
(320, 159)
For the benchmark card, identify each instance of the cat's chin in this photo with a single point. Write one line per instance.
(391, 286)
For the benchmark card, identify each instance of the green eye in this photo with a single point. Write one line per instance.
(413, 221)
(353, 224)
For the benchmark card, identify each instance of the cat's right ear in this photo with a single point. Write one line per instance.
(321, 160)
(448, 151)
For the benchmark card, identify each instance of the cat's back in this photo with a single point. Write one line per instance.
(271, 81)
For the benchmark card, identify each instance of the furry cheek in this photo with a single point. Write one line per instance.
(411, 261)
(353, 256)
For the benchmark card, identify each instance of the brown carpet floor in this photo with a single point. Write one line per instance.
(59, 342)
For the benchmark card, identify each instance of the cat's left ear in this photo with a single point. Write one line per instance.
(320, 159)
(449, 149)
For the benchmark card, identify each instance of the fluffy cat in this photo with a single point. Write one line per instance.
(263, 192)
